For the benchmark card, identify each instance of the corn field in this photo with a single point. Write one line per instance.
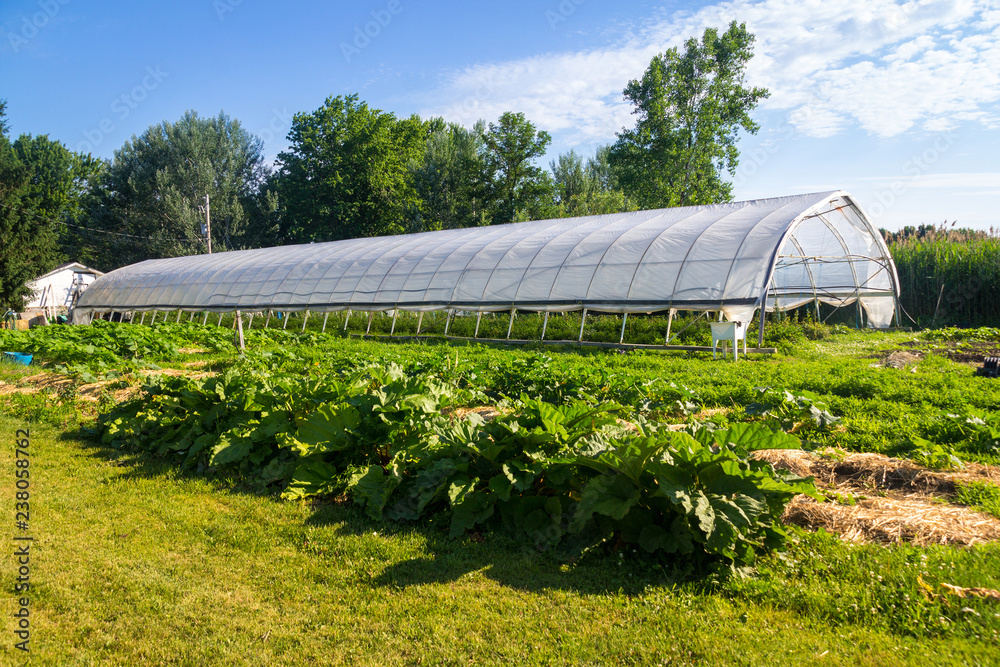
(947, 276)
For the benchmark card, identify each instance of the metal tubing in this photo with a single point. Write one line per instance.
(179, 313)
(545, 323)
(325, 318)
(582, 321)
(267, 320)
(204, 319)
(304, 320)
(479, 317)
(143, 318)
(621, 338)
(447, 321)
(510, 326)
(371, 316)
(153, 321)
(286, 316)
(420, 320)
(219, 323)
(670, 320)
(392, 329)
(347, 319)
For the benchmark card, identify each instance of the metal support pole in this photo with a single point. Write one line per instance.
(479, 317)
(583, 320)
(305, 318)
(191, 319)
(143, 318)
(347, 319)
(153, 321)
(325, 318)
(267, 320)
(285, 316)
(179, 313)
(250, 321)
(392, 329)
(670, 320)
(204, 320)
(420, 320)
(239, 325)
(760, 326)
(621, 339)
(371, 316)
(447, 321)
(510, 326)
(545, 323)
(219, 323)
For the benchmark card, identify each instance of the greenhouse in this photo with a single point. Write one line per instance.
(736, 259)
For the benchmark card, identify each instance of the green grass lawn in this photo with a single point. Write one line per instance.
(137, 562)
(134, 562)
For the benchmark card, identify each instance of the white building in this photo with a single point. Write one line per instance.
(57, 291)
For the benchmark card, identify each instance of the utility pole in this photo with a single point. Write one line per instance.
(208, 224)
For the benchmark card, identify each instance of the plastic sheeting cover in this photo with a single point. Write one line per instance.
(719, 257)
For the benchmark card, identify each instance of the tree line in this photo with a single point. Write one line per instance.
(352, 170)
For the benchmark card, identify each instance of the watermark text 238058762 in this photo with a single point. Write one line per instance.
(22, 539)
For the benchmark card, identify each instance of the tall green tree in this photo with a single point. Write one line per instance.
(41, 184)
(149, 200)
(519, 189)
(690, 107)
(57, 186)
(587, 188)
(450, 180)
(347, 173)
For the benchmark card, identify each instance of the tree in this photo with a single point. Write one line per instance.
(589, 189)
(690, 107)
(147, 203)
(450, 180)
(518, 188)
(4, 125)
(57, 185)
(41, 183)
(347, 172)
(19, 253)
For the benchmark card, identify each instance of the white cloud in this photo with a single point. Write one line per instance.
(886, 66)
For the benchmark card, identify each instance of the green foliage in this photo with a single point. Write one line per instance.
(347, 174)
(450, 180)
(149, 195)
(690, 107)
(566, 474)
(983, 496)
(41, 183)
(516, 185)
(948, 277)
(789, 412)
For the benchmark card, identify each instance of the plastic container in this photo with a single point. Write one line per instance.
(18, 358)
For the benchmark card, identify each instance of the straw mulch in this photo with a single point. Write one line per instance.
(894, 500)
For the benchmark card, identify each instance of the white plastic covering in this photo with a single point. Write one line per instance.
(780, 252)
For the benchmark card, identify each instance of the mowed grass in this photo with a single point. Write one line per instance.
(135, 563)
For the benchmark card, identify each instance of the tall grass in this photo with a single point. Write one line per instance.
(955, 273)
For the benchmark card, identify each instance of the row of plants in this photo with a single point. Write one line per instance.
(569, 474)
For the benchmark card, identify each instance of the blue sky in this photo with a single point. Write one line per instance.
(896, 102)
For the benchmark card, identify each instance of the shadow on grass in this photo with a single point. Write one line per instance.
(496, 553)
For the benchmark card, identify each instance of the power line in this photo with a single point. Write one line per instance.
(92, 229)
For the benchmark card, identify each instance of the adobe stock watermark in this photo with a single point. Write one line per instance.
(753, 160)
(280, 121)
(122, 108)
(223, 7)
(914, 168)
(363, 35)
(30, 27)
(562, 12)
(470, 107)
